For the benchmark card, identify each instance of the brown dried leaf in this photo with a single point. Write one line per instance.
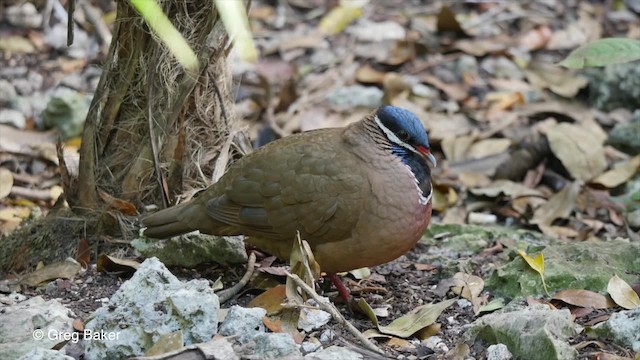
(83, 255)
(470, 288)
(488, 147)
(112, 264)
(559, 206)
(59, 270)
(617, 176)
(578, 149)
(270, 300)
(622, 293)
(123, 206)
(584, 298)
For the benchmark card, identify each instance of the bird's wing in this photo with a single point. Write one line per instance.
(307, 186)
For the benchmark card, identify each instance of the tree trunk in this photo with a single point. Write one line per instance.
(153, 132)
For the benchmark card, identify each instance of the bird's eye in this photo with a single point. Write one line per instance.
(403, 135)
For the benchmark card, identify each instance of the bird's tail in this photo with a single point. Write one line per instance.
(165, 223)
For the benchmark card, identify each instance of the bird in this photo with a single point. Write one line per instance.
(360, 195)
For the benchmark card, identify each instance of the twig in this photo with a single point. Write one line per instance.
(331, 309)
(225, 295)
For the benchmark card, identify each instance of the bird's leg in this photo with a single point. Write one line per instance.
(344, 292)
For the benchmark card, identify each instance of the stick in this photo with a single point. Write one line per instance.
(225, 295)
(331, 309)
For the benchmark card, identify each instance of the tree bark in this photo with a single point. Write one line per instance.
(153, 132)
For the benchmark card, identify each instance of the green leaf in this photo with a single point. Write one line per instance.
(603, 52)
(170, 36)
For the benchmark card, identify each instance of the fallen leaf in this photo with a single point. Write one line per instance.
(488, 147)
(537, 264)
(456, 148)
(561, 81)
(303, 264)
(505, 187)
(584, 298)
(395, 342)
(6, 182)
(339, 18)
(364, 307)
(123, 206)
(361, 273)
(578, 149)
(617, 176)
(447, 21)
(482, 47)
(559, 205)
(622, 293)
(429, 331)
(59, 270)
(78, 324)
(535, 39)
(603, 52)
(368, 75)
(492, 305)
(83, 255)
(166, 343)
(29, 143)
(270, 300)
(416, 319)
(108, 263)
(471, 286)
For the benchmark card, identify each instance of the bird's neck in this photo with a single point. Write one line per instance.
(416, 163)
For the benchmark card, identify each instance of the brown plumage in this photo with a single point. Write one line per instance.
(352, 197)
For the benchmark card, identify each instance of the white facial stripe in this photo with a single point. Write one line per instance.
(392, 137)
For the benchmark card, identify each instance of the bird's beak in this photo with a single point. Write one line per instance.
(428, 155)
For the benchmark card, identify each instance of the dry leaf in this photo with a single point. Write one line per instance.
(166, 343)
(481, 47)
(59, 270)
(304, 265)
(584, 298)
(270, 300)
(339, 18)
(112, 264)
(617, 176)
(559, 206)
(6, 182)
(368, 75)
(536, 38)
(29, 143)
(622, 293)
(456, 148)
(416, 320)
(578, 149)
(505, 187)
(123, 206)
(447, 21)
(83, 255)
(471, 286)
(488, 147)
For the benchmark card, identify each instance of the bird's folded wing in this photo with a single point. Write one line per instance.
(310, 194)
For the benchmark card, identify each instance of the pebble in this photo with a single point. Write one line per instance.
(24, 15)
(13, 118)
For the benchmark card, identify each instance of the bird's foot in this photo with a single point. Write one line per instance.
(342, 290)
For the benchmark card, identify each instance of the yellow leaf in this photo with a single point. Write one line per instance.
(536, 264)
(338, 19)
(622, 293)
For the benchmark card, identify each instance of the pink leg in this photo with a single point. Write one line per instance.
(344, 292)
